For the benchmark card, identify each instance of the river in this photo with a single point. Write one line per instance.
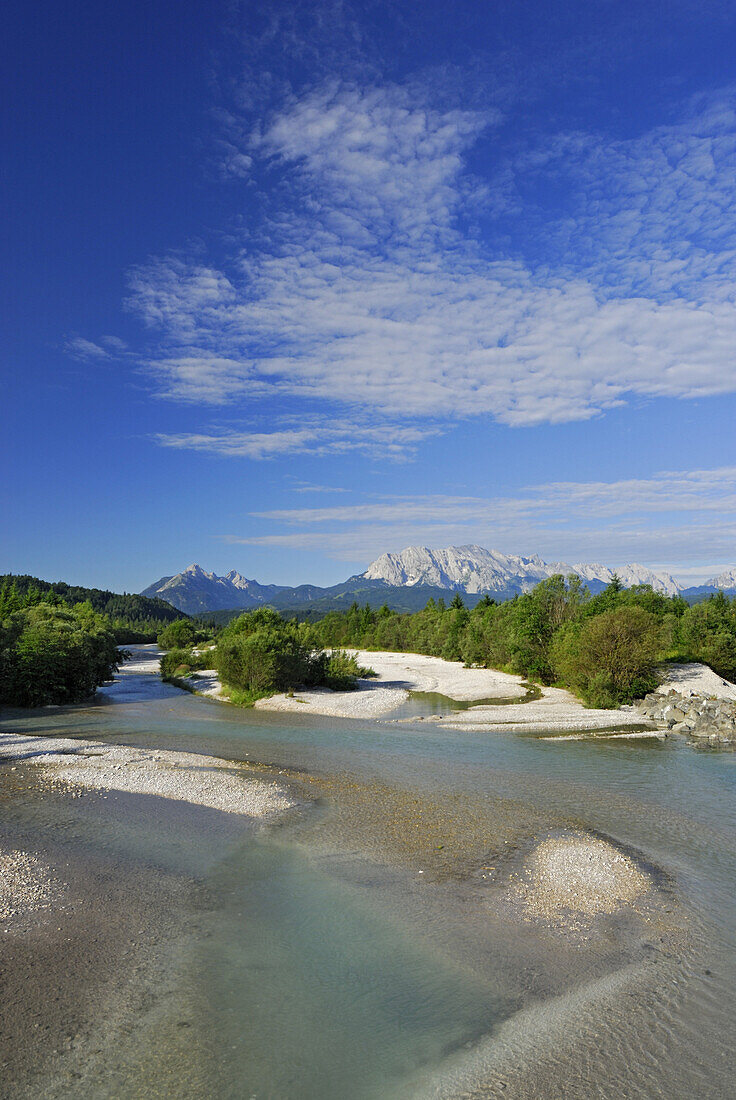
(365, 947)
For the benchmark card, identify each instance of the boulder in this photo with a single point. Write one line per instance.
(705, 717)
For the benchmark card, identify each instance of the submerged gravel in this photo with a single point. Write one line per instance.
(185, 777)
(27, 884)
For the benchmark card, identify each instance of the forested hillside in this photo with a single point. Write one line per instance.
(133, 618)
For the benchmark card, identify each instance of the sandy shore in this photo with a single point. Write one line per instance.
(206, 683)
(400, 673)
(556, 710)
(397, 675)
(181, 776)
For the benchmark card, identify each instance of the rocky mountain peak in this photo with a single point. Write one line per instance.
(474, 569)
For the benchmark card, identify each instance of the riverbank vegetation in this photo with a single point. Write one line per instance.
(51, 654)
(606, 648)
(260, 654)
(188, 648)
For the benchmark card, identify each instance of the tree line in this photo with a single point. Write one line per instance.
(605, 647)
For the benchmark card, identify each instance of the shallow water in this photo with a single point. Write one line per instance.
(340, 954)
(422, 704)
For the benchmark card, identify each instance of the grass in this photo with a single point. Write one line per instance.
(178, 682)
(241, 697)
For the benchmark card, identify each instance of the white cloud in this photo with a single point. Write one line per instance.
(388, 441)
(378, 157)
(85, 349)
(307, 487)
(363, 290)
(678, 491)
(652, 214)
(442, 342)
(573, 521)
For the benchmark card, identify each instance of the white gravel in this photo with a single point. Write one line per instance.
(368, 701)
(577, 874)
(181, 776)
(398, 674)
(415, 672)
(696, 679)
(556, 710)
(205, 682)
(26, 884)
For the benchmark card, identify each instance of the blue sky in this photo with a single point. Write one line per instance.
(291, 285)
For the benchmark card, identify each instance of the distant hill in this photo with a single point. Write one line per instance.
(197, 592)
(405, 582)
(403, 600)
(131, 614)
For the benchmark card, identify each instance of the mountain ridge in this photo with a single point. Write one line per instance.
(475, 569)
(403, 579)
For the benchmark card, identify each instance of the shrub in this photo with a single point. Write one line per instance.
(260, 653)
(612, 658)
(180, 662)
(341, 670)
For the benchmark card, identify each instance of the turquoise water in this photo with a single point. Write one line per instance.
(323, 970)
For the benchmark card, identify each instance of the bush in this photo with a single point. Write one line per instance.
(341, 670)
(260, 653)
(55, 654)
(180, 662)
(612, 658)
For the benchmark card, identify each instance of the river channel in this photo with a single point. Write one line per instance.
(364, 946)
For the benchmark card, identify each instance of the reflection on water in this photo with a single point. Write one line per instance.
(422, 704)
(325, 970)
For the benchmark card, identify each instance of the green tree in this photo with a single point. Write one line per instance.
(177, 635)
(612, 658)
(51, 654)
(537, 616)
(707, 632)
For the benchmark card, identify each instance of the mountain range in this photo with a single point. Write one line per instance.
(405, 582)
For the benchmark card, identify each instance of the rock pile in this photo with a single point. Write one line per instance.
(703, 716)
